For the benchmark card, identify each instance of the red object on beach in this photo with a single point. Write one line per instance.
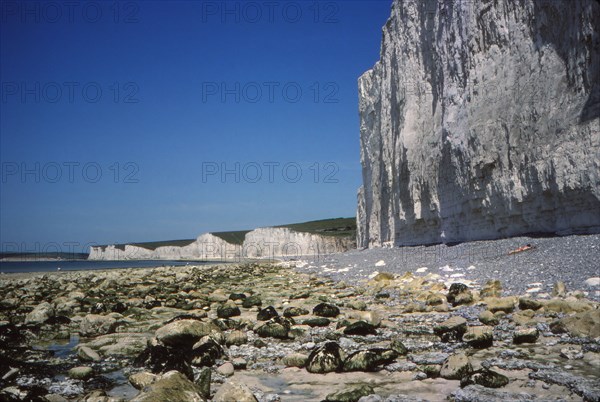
(521, 249)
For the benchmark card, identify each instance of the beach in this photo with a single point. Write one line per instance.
(286, 331)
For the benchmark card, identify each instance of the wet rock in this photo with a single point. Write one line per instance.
(87, 354)
(492, 288)
(236, 338)
(435, 299)
(326, 359)
(205, 352)
(171, 386)
(360, 328)
(350, 394)
(486, 378)
(317, 322)
(295, 360)
(566, 306)
(459, 293)
(203, 382)
(488, 318)
(228, 309)
(326, 310)
(369, 360)
(582, 324)
(294, 312)
(81, 373)
(161, 359)
(239, 363)
(505, 304)
(526, 335)
(452, 329)
(234, 392)
(526, 303)
(479, 393)
(142, 380)
(267, 313)
(357, 305)
(251, 301)
(479, 337)
(183, 333)
(456, 367)
(226, 369)
(40, 313)
(94, 325)
(237, 296)
(275, 328)
(399, 347)
(54, 398)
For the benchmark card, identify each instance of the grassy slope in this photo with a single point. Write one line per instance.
(338, 227)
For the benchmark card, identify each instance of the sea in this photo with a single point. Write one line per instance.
(23, 266)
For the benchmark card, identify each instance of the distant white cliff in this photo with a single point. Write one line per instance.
(259, 243)
(481, 120)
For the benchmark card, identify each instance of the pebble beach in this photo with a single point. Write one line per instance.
(373, 325)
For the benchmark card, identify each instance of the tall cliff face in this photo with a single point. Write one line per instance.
(481, 120)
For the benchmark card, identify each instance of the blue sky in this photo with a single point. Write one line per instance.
(141, 121)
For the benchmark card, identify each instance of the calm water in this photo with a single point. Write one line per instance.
(78, 265)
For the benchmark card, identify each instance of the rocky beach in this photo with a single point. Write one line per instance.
(282, 331)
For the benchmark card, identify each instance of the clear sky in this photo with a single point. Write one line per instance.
(150, 120)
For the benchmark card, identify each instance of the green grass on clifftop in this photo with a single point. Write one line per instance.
(339, 227)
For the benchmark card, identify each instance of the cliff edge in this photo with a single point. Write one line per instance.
(480, 121)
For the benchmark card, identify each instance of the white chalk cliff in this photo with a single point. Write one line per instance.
(259, 243)
(481, 120)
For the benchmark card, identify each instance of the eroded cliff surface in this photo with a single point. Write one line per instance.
(259, 243)
(480, 121)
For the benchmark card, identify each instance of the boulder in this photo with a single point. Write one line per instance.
(267, 313)
(582, 324)
(326, 310)
(40, 313)
(87, 354)
(230, 392)
(275, 328)
(456, 366)
(183, 333)
(492, 288)
(360, 328)
(171, 386)
(94, 325)
(325, 359)
(294, 312)
(505, 304)
(486, 378)
(369, 360)
(452, 329)
(525, 335)
(81, 373)
(350, 394)
(228, 309)
(295, 360)
(479, 337)
(205, 352)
